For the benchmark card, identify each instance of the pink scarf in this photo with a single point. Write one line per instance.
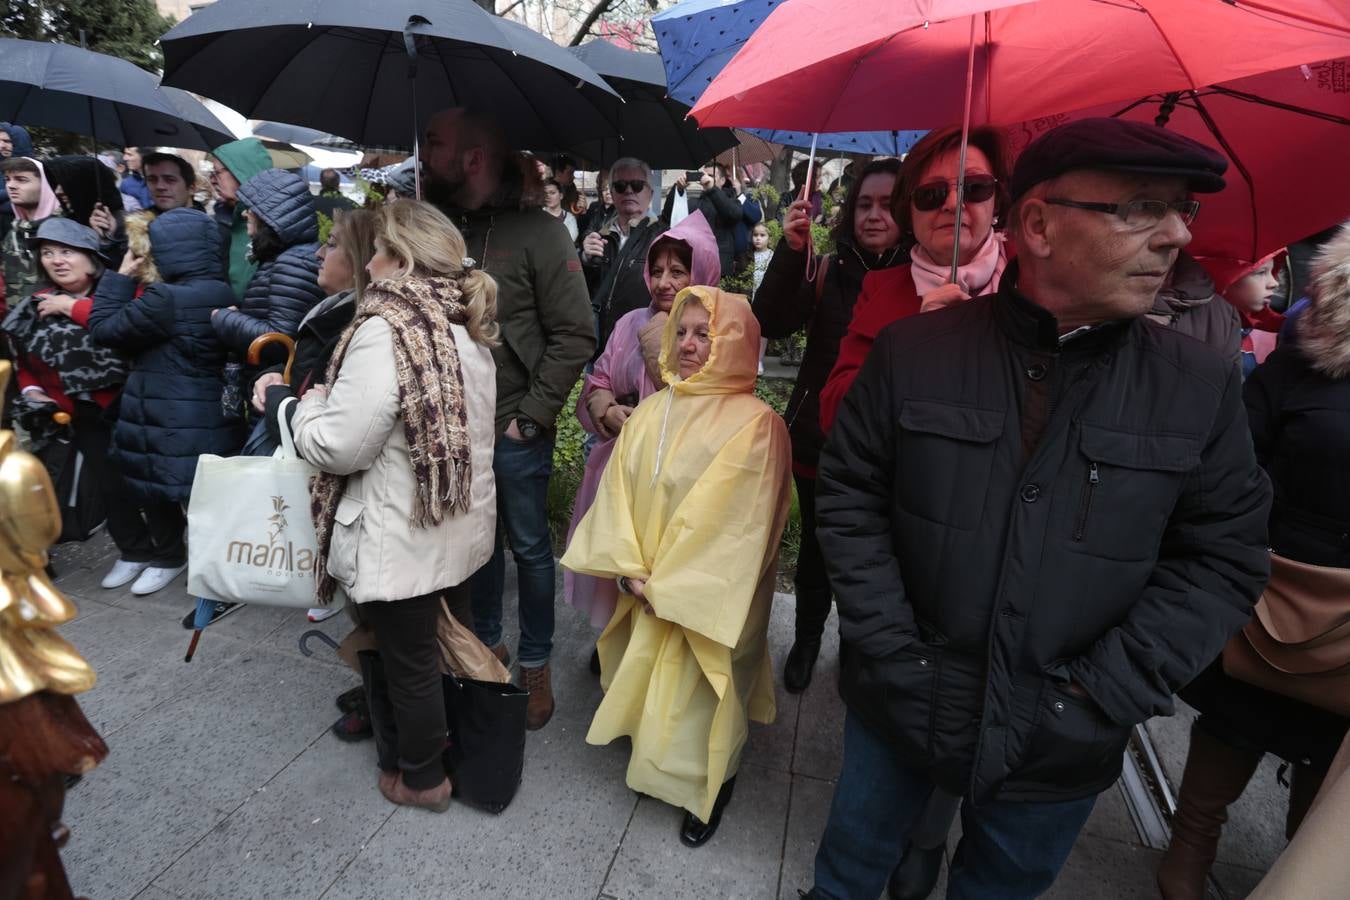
(979, 276)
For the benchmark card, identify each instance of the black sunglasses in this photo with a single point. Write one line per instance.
(928, 197)
(628, 187)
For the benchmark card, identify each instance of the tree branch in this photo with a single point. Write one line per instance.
(601, 7)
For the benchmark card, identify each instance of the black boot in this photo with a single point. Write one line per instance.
(694, 832)
(917, 874)
(801, 662)
(381, 710)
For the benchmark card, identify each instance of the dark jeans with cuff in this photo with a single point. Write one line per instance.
(405, 632)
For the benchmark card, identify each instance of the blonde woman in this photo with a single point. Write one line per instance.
(405, 505)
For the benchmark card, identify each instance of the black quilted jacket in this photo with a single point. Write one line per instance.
(284, 288)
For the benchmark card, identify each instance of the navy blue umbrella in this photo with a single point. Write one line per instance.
(101, 96)
(371, 72)
(699, 37)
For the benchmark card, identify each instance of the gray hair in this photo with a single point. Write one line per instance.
(631, 162)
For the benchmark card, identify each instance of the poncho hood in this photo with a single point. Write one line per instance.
(733, 363)
(694, 231)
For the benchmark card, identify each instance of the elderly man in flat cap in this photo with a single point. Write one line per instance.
(1041, 515)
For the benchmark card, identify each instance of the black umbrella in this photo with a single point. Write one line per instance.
(366, 71)
(106, 98)
(652, 126)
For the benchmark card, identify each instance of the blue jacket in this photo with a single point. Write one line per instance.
(170, 410)
(283, 289)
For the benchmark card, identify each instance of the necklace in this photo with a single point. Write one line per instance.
(883, 262)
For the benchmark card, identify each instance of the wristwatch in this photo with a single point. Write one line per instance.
(529, 429)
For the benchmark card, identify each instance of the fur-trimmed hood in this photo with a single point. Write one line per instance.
(1324, 328)
(138, 244)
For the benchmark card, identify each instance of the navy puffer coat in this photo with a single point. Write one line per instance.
(284, 288)
(170, 409)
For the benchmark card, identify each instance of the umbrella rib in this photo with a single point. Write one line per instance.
(1287, 107)
(529, 101)
(1237, 163)
(1190, 79)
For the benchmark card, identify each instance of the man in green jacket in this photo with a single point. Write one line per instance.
(544, 311)
(231, 165)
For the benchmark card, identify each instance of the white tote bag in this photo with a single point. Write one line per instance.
(250, 534)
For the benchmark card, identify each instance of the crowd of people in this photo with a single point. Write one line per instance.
(1043, 460)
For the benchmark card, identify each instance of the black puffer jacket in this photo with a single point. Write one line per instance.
(285, 287)
(314, 345)
(1003, 516)
(170, 409)
(786, 302)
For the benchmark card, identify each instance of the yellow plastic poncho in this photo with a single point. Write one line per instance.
(694, 501)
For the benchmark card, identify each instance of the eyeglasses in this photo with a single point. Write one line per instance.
(928, 197)
(1138, 215)
(635, 186)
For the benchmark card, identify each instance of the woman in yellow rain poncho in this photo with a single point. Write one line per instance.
(688, 517)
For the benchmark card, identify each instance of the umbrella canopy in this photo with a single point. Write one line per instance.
(106, 98)
(699, 37)
(833, 65)
(342, 66)
(1287, 138)
(652, 126)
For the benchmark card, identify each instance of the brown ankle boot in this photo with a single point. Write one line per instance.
(435, 799)
(538, 682)
(1216, 775)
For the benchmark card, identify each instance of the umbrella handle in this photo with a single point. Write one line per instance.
(61, 418)
(806, 195)
(254, 355)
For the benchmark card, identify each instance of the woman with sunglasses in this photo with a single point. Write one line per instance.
(924, 207)
(786, 302)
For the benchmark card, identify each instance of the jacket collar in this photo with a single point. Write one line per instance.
(1035, 327)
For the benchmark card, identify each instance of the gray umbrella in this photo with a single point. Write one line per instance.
(372, 72)
(652, 126)
(88, 93)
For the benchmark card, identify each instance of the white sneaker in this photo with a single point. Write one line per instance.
(123, 572)
(319, 613)
(155, 578)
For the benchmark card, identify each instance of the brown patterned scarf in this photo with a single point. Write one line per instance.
(431, 396)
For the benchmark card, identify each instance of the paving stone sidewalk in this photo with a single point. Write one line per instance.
(224, 782)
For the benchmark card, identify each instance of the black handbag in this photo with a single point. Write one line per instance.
(78, 494)
(485, 755)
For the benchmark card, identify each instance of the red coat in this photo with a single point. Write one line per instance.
(887, 296)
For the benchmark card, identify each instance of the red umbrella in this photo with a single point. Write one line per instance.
(1287, 138)
(854, 65)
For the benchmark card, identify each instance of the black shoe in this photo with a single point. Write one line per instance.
(355, 725)
(221, 610)
(595, 662)
(694, 832)
(801, 661)
(917, 874)
(352, 699)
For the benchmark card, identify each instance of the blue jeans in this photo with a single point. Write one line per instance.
(1009, 850)
(522, 470)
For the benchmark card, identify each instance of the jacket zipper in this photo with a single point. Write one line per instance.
(1094, 478)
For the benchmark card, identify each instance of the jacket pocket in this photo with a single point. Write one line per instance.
(1128, 486)
(946, 455)
(1073, 744)
(346, 540)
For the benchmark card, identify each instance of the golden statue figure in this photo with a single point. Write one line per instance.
(44, 737)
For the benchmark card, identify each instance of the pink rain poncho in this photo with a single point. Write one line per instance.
(621, 371)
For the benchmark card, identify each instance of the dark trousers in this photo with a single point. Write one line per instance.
(1010, 850)
(405, 632)
(811, 582)
(143, 532)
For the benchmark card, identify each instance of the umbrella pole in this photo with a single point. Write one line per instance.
(965, 142)
(410, 47)
(806, 195)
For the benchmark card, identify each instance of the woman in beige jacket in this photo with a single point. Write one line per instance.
(405, 505)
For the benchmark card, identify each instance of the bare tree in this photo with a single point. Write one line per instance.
(572, 22)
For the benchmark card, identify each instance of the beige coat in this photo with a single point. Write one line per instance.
(357, 430)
